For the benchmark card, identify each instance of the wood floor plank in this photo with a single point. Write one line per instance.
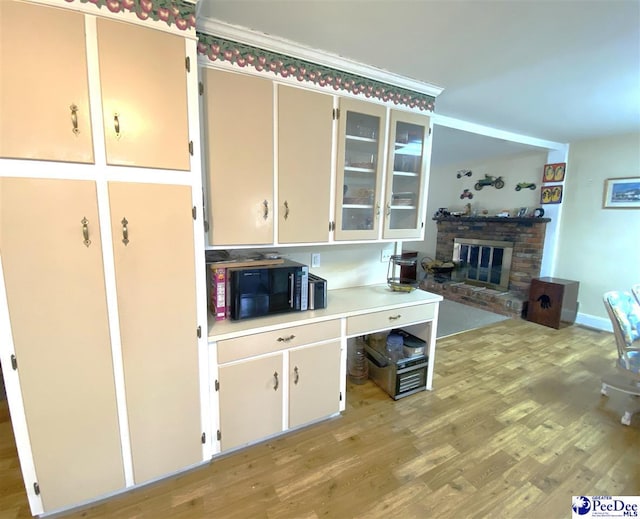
(514, 427)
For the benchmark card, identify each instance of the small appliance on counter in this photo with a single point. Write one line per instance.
(317, 292)
(400, 369)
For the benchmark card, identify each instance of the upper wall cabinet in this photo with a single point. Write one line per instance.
(406, 175)
(44, 93)
(359, 174)
(238, 125)
(305, 123)
(144, 96)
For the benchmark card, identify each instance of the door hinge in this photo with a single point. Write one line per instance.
(194, 212)
(14, 363)
(36, 488)
(200, 88)
(199, 332)
(203, 438)
(216, 385)
(191, 148)
(219, 435)
(187, 63)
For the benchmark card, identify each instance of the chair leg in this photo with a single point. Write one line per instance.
(603, 390)
(626, 418)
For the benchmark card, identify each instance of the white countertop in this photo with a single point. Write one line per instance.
(342, 302)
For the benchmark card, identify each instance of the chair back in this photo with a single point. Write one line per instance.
(636, 291)
(624, 312)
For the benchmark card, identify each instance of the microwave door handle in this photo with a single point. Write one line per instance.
(292, 287)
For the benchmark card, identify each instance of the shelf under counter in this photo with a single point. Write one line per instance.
(343, 302)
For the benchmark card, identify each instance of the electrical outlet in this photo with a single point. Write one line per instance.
(315, 259)
(385, 255)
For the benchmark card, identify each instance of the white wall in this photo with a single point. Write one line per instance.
(445, 189)
(599, 247)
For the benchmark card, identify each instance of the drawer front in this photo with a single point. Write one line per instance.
(366, 323)
(285, 338)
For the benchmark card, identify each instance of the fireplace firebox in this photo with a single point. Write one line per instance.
(485, 263)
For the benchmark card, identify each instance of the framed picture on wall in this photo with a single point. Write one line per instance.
(554, 172)
(550, 194)
(622, 193)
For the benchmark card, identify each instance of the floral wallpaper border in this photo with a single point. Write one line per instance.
(180, 13)
(242, 55)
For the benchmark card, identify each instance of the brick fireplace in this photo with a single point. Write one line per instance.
(527, 236)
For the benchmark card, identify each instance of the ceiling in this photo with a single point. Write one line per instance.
(559, 70)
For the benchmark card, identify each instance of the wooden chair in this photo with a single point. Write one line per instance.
(624, 312)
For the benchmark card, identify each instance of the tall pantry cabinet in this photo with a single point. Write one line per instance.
(101, 251)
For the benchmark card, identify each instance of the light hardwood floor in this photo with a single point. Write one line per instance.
(514, 427)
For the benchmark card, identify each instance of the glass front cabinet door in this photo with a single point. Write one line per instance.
(360, 160)
(406, 175)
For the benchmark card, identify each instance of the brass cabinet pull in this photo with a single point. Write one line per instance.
(85, 231)
(297, 375)
(388, 208)
(265, 215)
(277, 383)
(286, 339)
(377, 209)
(394, 317)
(125, 231)
(116, 124)
(286, 209)
(74, 118)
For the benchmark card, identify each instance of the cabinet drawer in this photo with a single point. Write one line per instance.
(267, 342)
(362, 324)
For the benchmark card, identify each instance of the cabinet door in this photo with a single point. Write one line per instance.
(44, 93)
(57, 307)
(360, 164)
(314, 383)
(305, 121)
(156, 287)
(250, 401)
(406, 174)
(239, 159)
(144, 96)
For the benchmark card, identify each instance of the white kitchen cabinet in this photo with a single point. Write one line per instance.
(407, 170)
(250, 400)
(54, 277)
(361, 139)
(143, 79)
(156, 295)
(238, 130)
(44, 91)
(314, 383)
(305, 122)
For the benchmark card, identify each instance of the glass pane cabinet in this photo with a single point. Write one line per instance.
(360, 154)
(406, 172)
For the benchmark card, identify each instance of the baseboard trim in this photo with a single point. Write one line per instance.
(591, 321)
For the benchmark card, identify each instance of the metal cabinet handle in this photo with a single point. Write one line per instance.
(297, 375)
(265, 215)
(394, 317)
(116, 124)
(125, 231)
(74, 118)
(286, 339)
(85, 231)
(277, 383)
(286, 209)
(377, 209)
(388, 208)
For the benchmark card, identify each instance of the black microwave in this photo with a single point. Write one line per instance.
(273, 289)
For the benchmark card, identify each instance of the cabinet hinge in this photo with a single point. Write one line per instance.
(187, 63)
(332, 226)
(216, 385)
(203, 438)
(429, 131)
(199, 332)
(201, 89)
(336, 113)
(36, 488)
(206, 226)
(191, 148)
(219, 435)
(194, 212)
(14, 363)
